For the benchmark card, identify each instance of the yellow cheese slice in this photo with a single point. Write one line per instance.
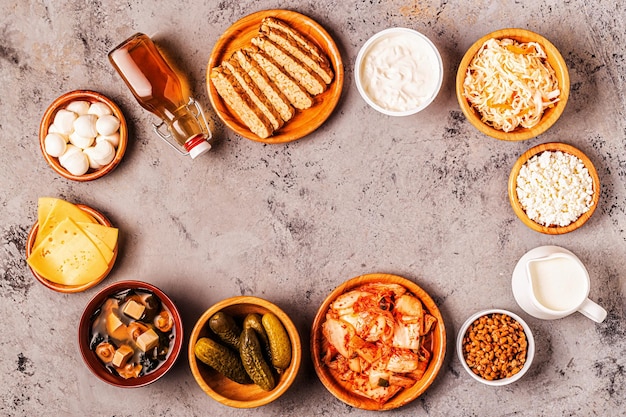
(58, 212)
(108, 235)
(44, 206)
(105, 251)
(68, 256)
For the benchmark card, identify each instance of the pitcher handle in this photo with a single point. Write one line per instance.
(593, 311)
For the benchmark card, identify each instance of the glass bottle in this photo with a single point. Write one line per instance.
(158, 89)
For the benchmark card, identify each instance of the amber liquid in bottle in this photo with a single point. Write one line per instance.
(156, 86)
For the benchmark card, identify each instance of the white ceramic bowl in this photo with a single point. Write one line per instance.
(397, 68)
(530, 352)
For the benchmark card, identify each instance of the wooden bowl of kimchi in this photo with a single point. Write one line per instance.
(501, 101)
(378, 342)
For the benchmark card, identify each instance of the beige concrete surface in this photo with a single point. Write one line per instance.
(423, 196)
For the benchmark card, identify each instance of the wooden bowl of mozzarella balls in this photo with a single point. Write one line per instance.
(83, 135)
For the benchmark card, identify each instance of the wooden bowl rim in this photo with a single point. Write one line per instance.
(512, 187)
(30, 242)
(287, 377)
(91, 360)
(550, 116)
(406, 396)
(48, 117)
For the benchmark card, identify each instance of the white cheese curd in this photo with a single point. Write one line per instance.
(554, 188)
(70, 149)
(54, 129)
(107, 124)
(93, 164)
(54, 144)
(114, 139)
(79, 107)
(85, 125)
(400, 71)
(81, 142)
(77, 163)
(103, 152)
(64, 121)
(99, 109)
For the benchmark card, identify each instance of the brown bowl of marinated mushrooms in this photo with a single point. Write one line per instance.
(130, 334)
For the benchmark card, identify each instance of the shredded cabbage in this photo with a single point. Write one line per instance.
(510, 84)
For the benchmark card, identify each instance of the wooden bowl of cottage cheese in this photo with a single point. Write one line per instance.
(554, 188)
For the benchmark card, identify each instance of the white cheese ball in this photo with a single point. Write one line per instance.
(79, 107)
(90, 156)
(103, 152)
(55, 144)
(70, 149)
(99, 109)
(85, 125)
(114, 139)
(76, 163)
(64, 121)
(107, 124)
(80, 141)
(54, 129)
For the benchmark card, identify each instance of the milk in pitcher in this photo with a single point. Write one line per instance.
(558, 283)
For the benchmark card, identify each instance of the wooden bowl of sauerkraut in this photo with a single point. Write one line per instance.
(512, 84)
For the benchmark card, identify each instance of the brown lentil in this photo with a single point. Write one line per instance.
(494, 346)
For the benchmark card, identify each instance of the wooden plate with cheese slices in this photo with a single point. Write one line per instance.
(239, 36)
(98, 219)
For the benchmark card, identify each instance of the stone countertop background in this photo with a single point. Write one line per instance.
(423, 196)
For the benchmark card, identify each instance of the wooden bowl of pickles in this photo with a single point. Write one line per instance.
(244, 352)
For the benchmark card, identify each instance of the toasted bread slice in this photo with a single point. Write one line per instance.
(254, 92)
(296, 94)
(238, 100)
(269, 89)
(312, 82)
(302, 40)
(288, 43)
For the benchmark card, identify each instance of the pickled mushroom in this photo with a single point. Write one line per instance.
(136, 328)
(164, 321)
(130, 370)
(105, 351)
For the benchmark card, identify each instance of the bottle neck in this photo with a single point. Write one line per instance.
(183, 125)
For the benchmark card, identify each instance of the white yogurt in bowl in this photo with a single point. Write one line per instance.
(398, 71)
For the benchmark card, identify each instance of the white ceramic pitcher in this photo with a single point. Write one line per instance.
(550, 283)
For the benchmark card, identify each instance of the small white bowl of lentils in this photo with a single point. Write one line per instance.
(496, 347)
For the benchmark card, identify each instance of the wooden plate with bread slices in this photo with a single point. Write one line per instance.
(275, 76)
